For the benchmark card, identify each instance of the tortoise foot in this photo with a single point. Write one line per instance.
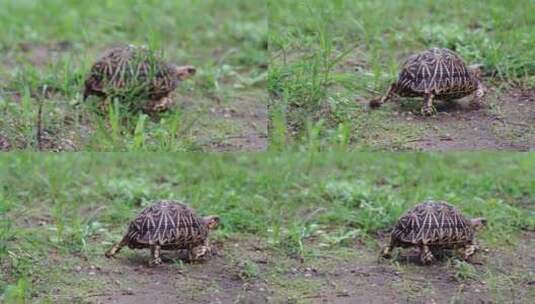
(387, 252)
(156, 261)
(427, 111)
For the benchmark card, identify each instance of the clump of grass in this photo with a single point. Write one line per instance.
(248, 270)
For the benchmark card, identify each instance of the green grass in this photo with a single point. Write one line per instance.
(327, 58)
(301, 206)
(48, 47)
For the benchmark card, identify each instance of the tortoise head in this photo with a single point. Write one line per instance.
(478, 223)
(211, 221)
(185, 71)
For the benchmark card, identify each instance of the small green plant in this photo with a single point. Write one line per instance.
(18, 293)
(139, 135)
(464, 270)
(248, 270)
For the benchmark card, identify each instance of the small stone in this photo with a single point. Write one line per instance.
(78, 268)
(92, 273)
(128, 291)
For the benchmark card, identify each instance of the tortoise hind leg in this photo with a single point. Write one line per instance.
(426, 256)
(116, 248)
(427, 109)
(387, 251)
(376, 103)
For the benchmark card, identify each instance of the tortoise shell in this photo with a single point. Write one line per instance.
(170, 224)
(441, 72)
(433, 223)
(130, 70)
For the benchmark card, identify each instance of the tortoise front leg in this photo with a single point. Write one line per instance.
(427, 109)
(116, 248)
(198, 252)
(155, 252)
(475, 103)
(426, 256)
(469, 250)
(153, 107)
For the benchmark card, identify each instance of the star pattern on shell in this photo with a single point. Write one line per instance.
(137, 75)
(433, 226)
(435, 74)
(168, 225)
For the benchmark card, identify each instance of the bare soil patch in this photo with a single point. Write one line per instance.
(219, 279)
(507, 122)
(241, 124)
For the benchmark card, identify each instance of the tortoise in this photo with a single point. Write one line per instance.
(135, 72)
(434, 226)
(168, 225)
(436, 73)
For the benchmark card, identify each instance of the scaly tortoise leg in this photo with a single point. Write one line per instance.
(155, 252)
(469, 250)
(387, 251)
(116, 248)
(376, 103)
(198, 252)
(475, 103)
(427, 109)
(426, 256)
(156, 106)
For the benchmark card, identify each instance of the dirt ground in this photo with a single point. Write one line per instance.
(247, 270)
(247, 115)
(506, 122)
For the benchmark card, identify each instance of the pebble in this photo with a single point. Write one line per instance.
(128, 291)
